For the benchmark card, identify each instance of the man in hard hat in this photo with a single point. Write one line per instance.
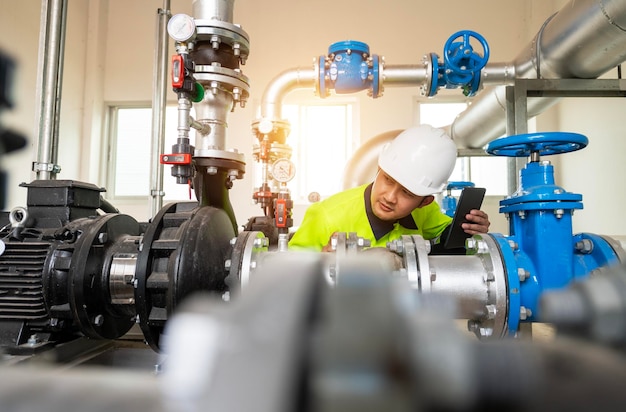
(411, 169)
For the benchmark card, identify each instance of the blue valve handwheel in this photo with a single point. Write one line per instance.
(455, 53)
(547, 143)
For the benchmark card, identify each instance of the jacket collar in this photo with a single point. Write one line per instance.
(381, 227)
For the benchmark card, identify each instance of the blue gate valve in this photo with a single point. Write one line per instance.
(449, 202)
(349, 68)
(541, 252)
(461, 64)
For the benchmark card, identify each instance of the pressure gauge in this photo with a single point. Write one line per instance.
(181, 27)
(283, 170)
(265, 125)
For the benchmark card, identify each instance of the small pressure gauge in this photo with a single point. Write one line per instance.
(265, 125)
(283, 170)
(181, 27)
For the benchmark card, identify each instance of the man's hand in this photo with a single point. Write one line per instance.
(329, 246)
(479, 222)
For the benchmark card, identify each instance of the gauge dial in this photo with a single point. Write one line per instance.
(283, 170)
(181, 27)
(265, 126)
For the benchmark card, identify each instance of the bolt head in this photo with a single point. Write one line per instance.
(522, 274)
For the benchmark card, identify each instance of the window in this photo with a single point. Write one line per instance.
(130, 150)
(322, 141)
(489, 172)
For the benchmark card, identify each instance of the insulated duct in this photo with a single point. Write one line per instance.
(585, 39)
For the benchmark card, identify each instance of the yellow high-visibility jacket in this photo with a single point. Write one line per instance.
(351, 211)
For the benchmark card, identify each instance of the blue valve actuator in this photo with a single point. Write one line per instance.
(541, 252)
(349, 68)
(461, 64)
(449, 202)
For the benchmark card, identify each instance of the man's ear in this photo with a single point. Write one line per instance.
(426, 200)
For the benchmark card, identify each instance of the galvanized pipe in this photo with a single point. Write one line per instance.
(583, 40)
(158, 108)
(281, 85)
(461, 277)
(221, 10)
(300, 78)
(51, 49)
(407, 75)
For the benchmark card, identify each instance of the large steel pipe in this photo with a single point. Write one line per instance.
(583, 40)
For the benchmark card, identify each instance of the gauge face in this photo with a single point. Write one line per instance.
(283, 170)
(265, 126)
(181, 27)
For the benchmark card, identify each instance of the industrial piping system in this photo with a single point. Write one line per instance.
(350, 67)
(97, 272)
(76, 267)
(500, 280)
(72, 266)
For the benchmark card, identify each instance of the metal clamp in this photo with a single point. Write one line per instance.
(46, 167)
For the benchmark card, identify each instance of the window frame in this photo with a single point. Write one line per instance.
(109, 150)
(352, 133)
(465, 155)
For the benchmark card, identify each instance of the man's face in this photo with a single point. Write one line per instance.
(391, 201)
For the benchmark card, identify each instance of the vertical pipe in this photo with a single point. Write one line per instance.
(158, 108)
(221, 10)
(59, 88)
(49, 94)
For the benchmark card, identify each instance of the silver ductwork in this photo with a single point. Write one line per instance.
(585, 39)
(362, 166)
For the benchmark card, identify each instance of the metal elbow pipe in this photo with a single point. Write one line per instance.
(281, 85)
(300, 78)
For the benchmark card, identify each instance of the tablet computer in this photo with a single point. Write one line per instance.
(471, 198)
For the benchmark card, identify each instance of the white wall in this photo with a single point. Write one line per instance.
(19, 38)
(113, 62)
(598, 171)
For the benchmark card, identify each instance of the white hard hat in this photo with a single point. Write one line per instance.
(420, 158)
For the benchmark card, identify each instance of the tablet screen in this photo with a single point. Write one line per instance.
(471, 198)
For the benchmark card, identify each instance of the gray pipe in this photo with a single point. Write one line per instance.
(362, 166)
(51, 51)
(300, 78)
(158, 108)
(585, 39)
(221, 10)
(281, 85)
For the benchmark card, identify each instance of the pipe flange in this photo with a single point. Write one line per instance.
(422, 249)
(411, 266)
(220, 154)
(224, 33)
(494, 324)
(215, 78)
(616, 246)
(427, 62)
(246, 249)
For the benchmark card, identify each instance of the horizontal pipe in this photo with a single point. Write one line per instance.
(404, 75)
(463, 278)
